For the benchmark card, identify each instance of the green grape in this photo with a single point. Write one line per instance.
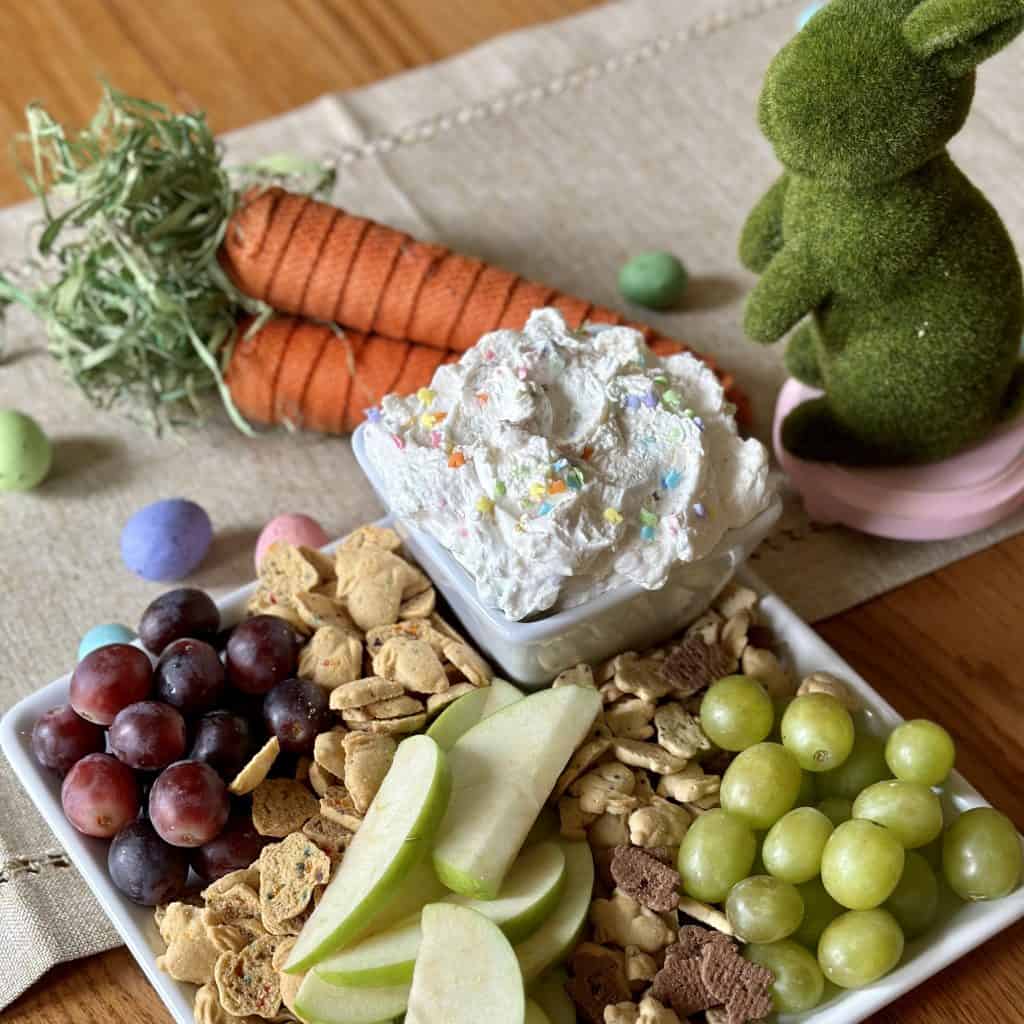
(799, 983)
(860, 947)
(792, 849)
(763, 909)
(836, 808)
(808, 795)
(915, 900)
(865, 765)
(779, 705)
(761, 784)
(920, 751)
(981, 855)
(819, 732)
(736, 713)
(862, 864)
(932, 852)
(716, 852)
(819, 911)
(910, 811)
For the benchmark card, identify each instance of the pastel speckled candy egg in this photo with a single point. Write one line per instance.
(655, 280)
(102, 635)
(293, 528)
(25, 452)
(166, 540)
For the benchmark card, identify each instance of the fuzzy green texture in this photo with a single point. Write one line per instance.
(910, 280)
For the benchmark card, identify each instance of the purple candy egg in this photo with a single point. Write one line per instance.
(166, 540)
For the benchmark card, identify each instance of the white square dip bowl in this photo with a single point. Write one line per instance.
(533, 652)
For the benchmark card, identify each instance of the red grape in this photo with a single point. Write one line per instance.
(224, 741)
(296, 712)
(108, 679)
(60, 738)
(147, 735)
(145, 868)
(237, 846)
(188, 804)
(262, 651)
(177, 614)
(189, 676)
(100, 795)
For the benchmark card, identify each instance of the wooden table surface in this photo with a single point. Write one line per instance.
(946, 647)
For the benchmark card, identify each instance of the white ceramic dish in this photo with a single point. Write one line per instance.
(627, 618)
(962, 928)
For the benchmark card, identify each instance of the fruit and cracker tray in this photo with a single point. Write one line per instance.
(315, 801)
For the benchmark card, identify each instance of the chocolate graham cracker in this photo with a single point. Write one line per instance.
(645, 878)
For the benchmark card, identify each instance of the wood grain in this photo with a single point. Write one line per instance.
(946, 647)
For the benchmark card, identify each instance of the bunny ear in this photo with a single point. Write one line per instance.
(963, 33)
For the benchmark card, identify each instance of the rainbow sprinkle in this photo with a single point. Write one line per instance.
(648, 518)
(521, 372)
(484, 505)
(537, 491)
(588, 453)
(651, 399)
(545, 509)
(699, 510)
(560, 465)
(671, 398)
(647, 532)
(574, 478)
(427, 420)
(499, 489)
(613, 516)
(632, 402)
(698, 423)
(482, 397)
(671, 480)
(436, 437)
(399, 443)
(456, 459)
(373, 415)
(556, 487)
(426, 396)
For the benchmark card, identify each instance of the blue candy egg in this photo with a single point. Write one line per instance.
(166, 540)
(103, 634)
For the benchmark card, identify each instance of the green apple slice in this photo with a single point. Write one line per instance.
(420, 887)
(395, 834)
(549, 992)
(534, 1014)
(529, 894)
(554, 940)
(387, 958)
(320, 1003)
(466, 971)
(531, 891)
(460, 716)
(503, 770)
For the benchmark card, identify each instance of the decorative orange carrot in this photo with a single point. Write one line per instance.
(308, 258)
(316, 377)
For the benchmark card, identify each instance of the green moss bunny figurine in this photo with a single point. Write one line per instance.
(910, 278)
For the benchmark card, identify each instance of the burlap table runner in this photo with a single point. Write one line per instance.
(556, 152)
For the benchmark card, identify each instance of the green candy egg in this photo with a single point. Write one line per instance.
(25, 452)
(656, 280)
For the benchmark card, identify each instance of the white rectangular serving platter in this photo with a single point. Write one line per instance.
(962, 928)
